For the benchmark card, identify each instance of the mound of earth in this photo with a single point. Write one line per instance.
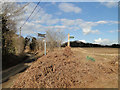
(57, 70)
(67, 52)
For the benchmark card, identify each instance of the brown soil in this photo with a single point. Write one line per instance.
(67, 52)
(65, 69)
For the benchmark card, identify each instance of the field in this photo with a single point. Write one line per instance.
(71, 69)
(104, 56)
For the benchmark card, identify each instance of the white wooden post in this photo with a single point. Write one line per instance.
(44, 47)
(68, 40)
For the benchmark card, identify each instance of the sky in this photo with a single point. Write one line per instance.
(91, 22)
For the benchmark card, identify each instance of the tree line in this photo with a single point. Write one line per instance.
(82, 44)
(14, 46)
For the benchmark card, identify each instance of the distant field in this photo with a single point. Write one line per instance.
(100, 54)
(103, 50)
(106, 56)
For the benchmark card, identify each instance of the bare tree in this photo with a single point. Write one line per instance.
(12, 44)
(10, 16)
(54, 38)
(60, 37)
(40, 43)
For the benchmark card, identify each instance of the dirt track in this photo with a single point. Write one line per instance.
(72, 70)
(10, 74)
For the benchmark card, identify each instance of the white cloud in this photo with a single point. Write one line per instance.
(87, 27)
(55, 27)
(47, 22)
(44, 21)
(110, 4)
(52, 21)
(2, 1)
(104, 41)
(36, 21)
(68, 7)
(81, 24)
(88, 31)
(29, 28)
(82, 41)
(111, 31)
(67, 22)
(114, 22)
(102, 22)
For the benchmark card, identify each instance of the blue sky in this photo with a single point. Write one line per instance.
(94, 22)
